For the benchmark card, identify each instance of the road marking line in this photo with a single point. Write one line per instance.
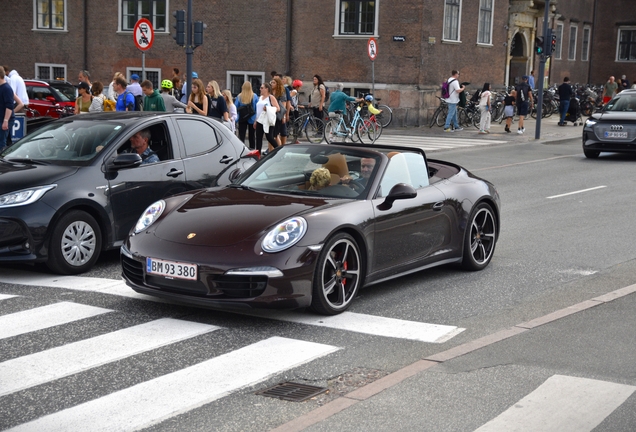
(576, 192)
(562, 404)
(6, 296)
(360, 323)
(44, 317)
(39, 368)
(369, 324)
(524, 163)
(154, 401)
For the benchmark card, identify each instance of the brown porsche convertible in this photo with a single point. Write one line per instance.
(309, 225)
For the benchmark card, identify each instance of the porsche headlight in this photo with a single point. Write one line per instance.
(24, 196)
(150, 215)
(285, 235)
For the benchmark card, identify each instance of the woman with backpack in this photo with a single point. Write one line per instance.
(246, 110)
(218, 107)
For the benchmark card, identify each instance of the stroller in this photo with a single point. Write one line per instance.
(574, 112)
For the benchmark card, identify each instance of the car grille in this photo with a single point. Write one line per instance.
(238, 286)
(133, 270)
(600, 130)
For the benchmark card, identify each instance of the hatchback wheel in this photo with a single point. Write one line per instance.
(337, 276)
(480, 238)
(75, 243)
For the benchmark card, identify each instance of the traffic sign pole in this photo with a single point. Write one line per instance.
(372, 51)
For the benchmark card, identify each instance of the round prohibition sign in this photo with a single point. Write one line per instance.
(372, 48)
(143, 34)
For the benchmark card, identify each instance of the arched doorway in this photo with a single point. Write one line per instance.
(518, 59)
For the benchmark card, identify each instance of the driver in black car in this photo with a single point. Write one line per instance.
(139, 145)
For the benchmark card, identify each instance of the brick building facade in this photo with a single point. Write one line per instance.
(419, 42)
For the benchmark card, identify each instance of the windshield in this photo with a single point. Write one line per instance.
(66, 91)
(625, 103)
(324, 171)
(73, 142)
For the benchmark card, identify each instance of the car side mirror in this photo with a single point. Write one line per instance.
(125, 160)
(398, 192)
(50, 99)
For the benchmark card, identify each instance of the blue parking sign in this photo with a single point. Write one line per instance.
(18, 127)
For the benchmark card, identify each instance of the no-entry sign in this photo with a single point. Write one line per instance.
(372, 49)
(144, 34)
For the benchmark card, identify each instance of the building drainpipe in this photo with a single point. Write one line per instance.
(589, 60)
(288, 41)
(85, 35)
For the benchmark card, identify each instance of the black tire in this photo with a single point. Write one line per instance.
(315, 130)
(293, 130)
(591, 154)
(338, 275)
(385, 117)
(336, 135)
(480, 238)
(367, 132)
(441, 118)
(75, 243)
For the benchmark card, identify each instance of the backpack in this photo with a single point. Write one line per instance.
(139, 103)
(109, 105)
(476, 96)
(446, 88)
(327, 93)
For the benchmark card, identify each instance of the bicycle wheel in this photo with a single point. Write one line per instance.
(385, 117)
(476, 117)
(315, 130)
(293, 130)
(436, 114)
(335, 132)
(367, 132)
(441, 118)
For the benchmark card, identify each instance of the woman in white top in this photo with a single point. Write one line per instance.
(484, 108)
(97, 105)
(231, 108)
(266, 99)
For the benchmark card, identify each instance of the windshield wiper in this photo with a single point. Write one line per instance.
(28, 160)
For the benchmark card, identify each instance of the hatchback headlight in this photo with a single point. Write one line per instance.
(285, 235)
(24, 196)
(150, 215)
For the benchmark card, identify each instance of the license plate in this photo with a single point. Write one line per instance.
(615, 134)
(171, 269)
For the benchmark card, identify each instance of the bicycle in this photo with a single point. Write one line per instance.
(440, 114)
(312, 127)
(366, 116)
(361, 129)
(386, 116)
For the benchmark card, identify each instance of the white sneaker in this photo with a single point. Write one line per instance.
(519, 131)
(523, 130)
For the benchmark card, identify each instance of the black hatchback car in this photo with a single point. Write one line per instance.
(614, 128)
(71, 189)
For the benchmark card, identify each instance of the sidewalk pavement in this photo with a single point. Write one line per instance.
(551, 132)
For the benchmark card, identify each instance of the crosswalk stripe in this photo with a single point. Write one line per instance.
(436, 141)
(35, 369)
(370, 324)
(360, 323)
(6, 296)
(44, 317)
(562, 404)
(156, 400)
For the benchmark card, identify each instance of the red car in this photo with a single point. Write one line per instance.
(47, 100)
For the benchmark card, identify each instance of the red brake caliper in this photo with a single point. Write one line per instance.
(344, 266)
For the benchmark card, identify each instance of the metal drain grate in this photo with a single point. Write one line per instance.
(292, 391)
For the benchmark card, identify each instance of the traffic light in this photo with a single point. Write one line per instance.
(180, 27)
(553, 40)
(198, 33)
(538, 45)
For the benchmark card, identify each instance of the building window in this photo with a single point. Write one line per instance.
(237, 78)
(45, 71)
(627, 44)
(153, 10)
(559, 41)
(357, 17)
(585, 45)
(484, 34)
(572, 46)
(50, 14)
(452, 14)
(152, 74)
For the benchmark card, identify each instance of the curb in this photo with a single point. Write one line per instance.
(363, 393)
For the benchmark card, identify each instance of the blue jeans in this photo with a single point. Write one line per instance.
(3, 137)
(452, 116)
(563, 109)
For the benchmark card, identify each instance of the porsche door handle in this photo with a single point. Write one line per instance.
(174, 173)
(438, 206)
(226, 159)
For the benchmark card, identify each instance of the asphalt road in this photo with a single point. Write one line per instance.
(567, 237)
